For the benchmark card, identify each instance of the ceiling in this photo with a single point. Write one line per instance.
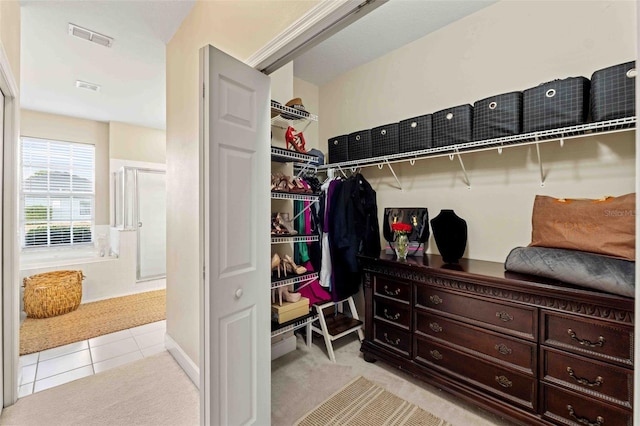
(388, 27)
(131, 73)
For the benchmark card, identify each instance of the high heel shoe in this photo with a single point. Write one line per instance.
(278, 222)
(290, 265)
(295, 139)
(283, 293)
(276, 263)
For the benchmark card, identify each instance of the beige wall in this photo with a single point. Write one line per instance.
(136, 143)
(507, 46)
(239, 28)
(70, 129)
(310, 95)
(10, 34)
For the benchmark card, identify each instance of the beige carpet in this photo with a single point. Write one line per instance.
(152, 391)
(362, 402)
(92, 320)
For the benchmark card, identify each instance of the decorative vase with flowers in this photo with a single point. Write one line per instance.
(401, 231)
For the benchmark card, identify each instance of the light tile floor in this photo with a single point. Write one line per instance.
(54, 367)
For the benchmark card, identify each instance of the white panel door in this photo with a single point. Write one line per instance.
(235, 124)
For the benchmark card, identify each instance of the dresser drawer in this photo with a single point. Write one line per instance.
(593, 378)
(390, 310)
(518, 320)
(503, 348)
(391, 288)
(602, 340)
(519, 389)
(392, 337)
(569, 408)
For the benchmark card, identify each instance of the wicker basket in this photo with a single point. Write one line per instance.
(52, 293)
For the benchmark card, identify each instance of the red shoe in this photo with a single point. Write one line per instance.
(295, 139)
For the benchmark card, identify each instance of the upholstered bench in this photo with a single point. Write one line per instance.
(52, 293)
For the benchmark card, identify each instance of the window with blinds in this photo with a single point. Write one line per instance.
(57, 193)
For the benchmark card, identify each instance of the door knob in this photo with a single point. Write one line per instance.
(139, 224)
(239, 293)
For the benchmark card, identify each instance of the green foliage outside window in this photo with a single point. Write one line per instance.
(60, 235)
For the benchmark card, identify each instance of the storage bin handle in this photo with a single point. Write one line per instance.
(632, 73)
(383, 132)
(550, 93)
(493, 105)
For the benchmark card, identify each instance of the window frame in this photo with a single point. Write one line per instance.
(76, 198)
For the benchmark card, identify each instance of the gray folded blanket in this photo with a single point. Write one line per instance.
(575, 267)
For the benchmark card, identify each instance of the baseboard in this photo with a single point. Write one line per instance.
(183, 360)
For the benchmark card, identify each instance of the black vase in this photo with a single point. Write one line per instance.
(450, 233)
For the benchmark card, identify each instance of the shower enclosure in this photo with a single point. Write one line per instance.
(140, 205)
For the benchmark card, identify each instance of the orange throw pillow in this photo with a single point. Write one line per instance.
(605, 226)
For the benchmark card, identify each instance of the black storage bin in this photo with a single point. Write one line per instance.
(360, 145)
(452, 125)
(415, 133)
(613, 92)
(338, 149)
(497, 116)
(384, 140)
(558, 103)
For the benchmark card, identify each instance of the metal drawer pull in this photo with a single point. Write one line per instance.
(391, 293)
(599, 420)
(504, 316)
(391, 317)
(435, 299)
(435, 354)
(598, 382)
(435, 327)
(391, 342)
(503, 349)
(586, 342)
(504, 382)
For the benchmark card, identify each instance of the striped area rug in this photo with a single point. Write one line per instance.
(363, 403)
(92, 320)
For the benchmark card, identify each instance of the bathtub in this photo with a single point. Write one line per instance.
(105, 277)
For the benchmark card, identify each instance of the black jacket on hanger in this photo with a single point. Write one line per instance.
(354, 229)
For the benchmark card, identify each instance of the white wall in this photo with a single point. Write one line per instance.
(507, 46)
(137, 143)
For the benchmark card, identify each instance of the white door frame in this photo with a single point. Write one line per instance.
(10, 300)
(319, 23)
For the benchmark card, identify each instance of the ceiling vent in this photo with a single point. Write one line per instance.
(86, 85)
(89, 35)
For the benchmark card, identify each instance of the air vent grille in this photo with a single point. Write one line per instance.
(89, 35)
(86, 85)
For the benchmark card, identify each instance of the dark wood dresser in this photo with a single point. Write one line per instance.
(532, 350)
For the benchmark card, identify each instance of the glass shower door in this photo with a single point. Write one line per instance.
(151, 209)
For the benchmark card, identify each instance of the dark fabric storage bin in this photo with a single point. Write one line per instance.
(384, 140)
(613, 92)
(497, 116)
(338, 149)
(415, 133)
(452, 125)
(558, 103)
(360, 145)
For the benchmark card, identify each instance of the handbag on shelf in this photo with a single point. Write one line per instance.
(417, 218)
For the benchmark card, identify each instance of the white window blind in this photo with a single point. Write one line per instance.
(57, 193)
